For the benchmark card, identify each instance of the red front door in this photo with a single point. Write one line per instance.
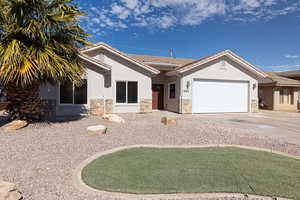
(157, 96)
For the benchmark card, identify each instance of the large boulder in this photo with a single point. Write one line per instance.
(15, 125)
(8, 191)
(97, 130)
(114, 118)
(170, 121)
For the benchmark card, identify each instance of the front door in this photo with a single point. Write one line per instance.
(157, 96)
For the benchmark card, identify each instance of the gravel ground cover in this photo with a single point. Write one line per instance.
(41, 158)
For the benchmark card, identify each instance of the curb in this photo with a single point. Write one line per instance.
(80, 185)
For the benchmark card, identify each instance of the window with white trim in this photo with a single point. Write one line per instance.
(127, 92)
(71, 94)
(172, 91)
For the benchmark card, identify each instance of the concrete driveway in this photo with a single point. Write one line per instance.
(281, 125)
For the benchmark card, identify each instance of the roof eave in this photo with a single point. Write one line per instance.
(95, 63)
(232, 56)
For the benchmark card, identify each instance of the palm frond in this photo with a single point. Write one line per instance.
(39, 40)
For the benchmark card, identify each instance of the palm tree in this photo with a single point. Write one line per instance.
(39, 42)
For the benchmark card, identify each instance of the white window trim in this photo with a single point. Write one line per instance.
(169, 84)
(126, 93)
(71, 104)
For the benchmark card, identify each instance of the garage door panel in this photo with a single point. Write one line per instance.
(220, 96)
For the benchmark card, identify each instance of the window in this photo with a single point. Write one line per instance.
(172, 91)
(71, 94)
(281, 96)
(292, 97)
(287, 94)
(127, 92)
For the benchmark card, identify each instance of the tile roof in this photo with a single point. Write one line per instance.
(278, 80)
(199, 60)
(159, 59)
(292, 73)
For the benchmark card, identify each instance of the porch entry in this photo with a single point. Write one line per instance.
(157, 96)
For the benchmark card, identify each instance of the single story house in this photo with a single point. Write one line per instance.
(117, 82)
(279, 93)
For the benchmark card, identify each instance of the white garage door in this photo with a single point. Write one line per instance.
(220, 96)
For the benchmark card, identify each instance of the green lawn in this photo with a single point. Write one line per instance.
(195, 170)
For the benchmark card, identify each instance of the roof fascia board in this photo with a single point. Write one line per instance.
(95, 63)
(235, 58)
(122, 56)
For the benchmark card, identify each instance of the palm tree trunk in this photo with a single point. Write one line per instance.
(24, 103)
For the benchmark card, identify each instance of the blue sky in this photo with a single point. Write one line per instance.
(264, 32)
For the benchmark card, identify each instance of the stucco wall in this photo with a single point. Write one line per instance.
(216, 70)
(102, 85)
(123, 70)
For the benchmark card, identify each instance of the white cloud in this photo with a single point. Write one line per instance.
(292, 56)
(130, 3)
(120, 11)
(282, 67)
(165, 14)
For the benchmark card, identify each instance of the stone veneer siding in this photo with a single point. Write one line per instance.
(186, 106)
(100, 107)
(97, 107)
(48, 107)
(109, 106)
(146, 106)
(254, 106)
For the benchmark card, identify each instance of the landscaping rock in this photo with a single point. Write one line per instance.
(114, 118)
(15, 125)
(170, 121)
(8, 191)
(97, 130)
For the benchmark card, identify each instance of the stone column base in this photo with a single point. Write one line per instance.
(99, 107)
(146, 106)
(186, 106)
(109, 106)
(254, 106)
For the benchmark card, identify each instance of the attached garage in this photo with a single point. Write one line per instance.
(215, 96)
(221, 83)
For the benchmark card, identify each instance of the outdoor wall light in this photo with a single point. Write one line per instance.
(188, 85)
(254, 86)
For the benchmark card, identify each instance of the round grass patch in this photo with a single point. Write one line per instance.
(195, 170)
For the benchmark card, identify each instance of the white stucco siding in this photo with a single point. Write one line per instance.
(172, 104)
(216, 70)
(123, 70)
(99, 83)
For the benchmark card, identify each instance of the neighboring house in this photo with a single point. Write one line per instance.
(294, 74)
(119, 83)
(279, 93)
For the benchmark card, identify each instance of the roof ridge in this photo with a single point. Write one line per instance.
(162, 56)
